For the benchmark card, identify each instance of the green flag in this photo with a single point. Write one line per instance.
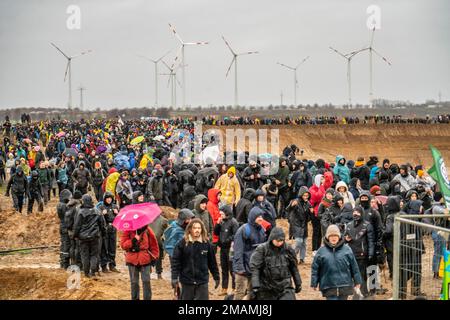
(439, 173)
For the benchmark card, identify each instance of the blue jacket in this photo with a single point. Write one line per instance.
(342, 171)
(173, 234)
(373, 172)
(247, 238)
(335, 268)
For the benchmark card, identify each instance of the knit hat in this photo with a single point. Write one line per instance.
(375, 190)
(333, 230)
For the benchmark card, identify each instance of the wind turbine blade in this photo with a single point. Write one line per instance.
(228, 45)
(167, 66)
(250, 52)
(67, 69)
(384, 59)
(144, 57)
(283, 65)
(353, 53)
(303, 61)
(339, 53)
(163, 56)
(196, 43)
(231, 64)
(81, 54)
(172, 28)
(59, 50)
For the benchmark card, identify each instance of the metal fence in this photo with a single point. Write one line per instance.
(418, 251)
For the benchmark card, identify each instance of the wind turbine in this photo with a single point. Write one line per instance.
(234, 60)
(81, 89)
(295, 76)
(371, 52)
(69, 70)
(349, 58)
(156, 73)
(173, 81)
(183, 58)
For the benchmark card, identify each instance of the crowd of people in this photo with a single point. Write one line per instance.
(98, 167)
(321, 120)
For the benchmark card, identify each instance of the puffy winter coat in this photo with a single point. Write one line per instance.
(18, 183)
(148, 248)
(342, 171)
(362, 240)
(213, 208)
(61, 207)
(317, 192)
(299, 215)
(335, 270)
(346, 195)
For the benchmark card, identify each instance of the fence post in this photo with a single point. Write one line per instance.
(396, 262)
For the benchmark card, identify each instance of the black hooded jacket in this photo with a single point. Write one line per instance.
(227, 228)
(61, 207)
(89, 224)
(272, 268)
(18, 183)
(299, 215)
(244, 205)
(108, 210)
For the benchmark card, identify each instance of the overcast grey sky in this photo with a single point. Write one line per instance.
(414, 36)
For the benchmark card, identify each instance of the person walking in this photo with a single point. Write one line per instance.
(192, 258)
(334, 269)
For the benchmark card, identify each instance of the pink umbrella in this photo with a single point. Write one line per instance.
(60, 134)
(382, 199)
(136, 216)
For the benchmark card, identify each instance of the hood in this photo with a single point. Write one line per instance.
(249, 194)
(232, 170)
(19, 170)
(212, 195)
(341, 184)
(276, 234)
(383, 176)
(339, 158)
(347, 209)
(317, 180)
(183, 215)
(393, 204)
(254, 213)
(65, 196)
(228, 210)
(413, 207)
(108, 195)
(410, 193)
(350, 164)
(189, 192)
(310, 164)
(260, 192)
(82, 164)
(112, 170)
(336, 198)
(353, 182)
(302, 191)
(87, 201)
(198, 200)
(320, 163)
(365, 193)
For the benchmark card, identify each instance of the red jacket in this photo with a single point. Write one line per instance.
(317, 194)
(148, 245)
(213, 208)
(328, 180)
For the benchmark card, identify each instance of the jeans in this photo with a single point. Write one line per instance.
(439, 245)
(337, 298)
(300, 247)
(144, 271)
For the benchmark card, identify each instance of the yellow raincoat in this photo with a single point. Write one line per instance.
(229, 187)
(111, 182)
